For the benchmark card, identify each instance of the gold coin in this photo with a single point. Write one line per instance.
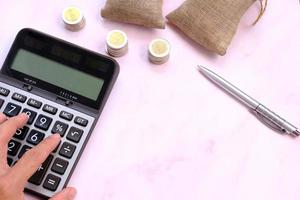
(72, 15)
(159, 48)
(116, 39)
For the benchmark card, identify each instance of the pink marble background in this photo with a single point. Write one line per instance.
(167, 133)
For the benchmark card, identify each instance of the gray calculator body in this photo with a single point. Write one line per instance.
(61, 108)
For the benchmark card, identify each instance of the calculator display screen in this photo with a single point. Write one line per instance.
(57, 74)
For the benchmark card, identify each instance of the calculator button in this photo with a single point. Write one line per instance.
(51, 182)
(80, 121)
(19, 97)
(1, 102)
(34, 103)
(31, 115)
(74, 134)
(12, 110)
(60, 127)
(4, 92)
(67, 150)
(23, 150)
(21, 133)
(66, 115)
(43, 122)
(38, 176)
(35, 137)
(13, 147)
(50, 109)
(59, 166)
(10, 161)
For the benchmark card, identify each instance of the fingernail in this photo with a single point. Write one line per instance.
(24, 115)
(72, 193)
(55, 136)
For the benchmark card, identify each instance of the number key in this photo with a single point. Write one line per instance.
(31, 115)
(43, 122)
(35, 137)
(21, 133)
(13, 147)
(12, 110)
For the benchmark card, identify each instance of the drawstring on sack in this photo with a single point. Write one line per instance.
(263, 6)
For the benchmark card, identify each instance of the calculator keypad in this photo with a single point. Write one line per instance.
(34, 103)
(31, 115)
(12, 110)
(67, 150)
(43, 122)
(19, 97)
(66, 115)
(4, 91)
(81, 121)
(35, 137)
(51, 182)
(50, 109)
(38, 176)
(74, 134)
(21, 133)
(13, 147)
(60, 127)
(45, 118)
(59, 166)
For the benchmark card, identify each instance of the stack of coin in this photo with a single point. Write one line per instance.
(73, 18)
(159, 51)
(116, 43)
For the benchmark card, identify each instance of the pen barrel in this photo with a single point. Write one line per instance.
(276, 119)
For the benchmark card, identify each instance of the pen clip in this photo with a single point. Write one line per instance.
(269, 123)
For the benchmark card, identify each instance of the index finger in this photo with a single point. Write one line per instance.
(33, 159)
(9, 127)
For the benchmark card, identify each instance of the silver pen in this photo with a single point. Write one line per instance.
(267, 116)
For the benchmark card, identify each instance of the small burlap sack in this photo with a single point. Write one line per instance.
(141, 12)
(211, 23)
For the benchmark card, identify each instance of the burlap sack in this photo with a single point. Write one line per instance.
(211, 23)
(141, 12)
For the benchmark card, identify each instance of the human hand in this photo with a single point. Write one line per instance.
(13, 179)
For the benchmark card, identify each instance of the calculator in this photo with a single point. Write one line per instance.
(62, 88)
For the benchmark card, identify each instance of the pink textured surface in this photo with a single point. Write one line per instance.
(166, 132)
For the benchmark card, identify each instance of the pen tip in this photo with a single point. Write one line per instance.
(296, 133)
(200, 67)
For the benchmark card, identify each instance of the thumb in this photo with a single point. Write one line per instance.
(66, 194)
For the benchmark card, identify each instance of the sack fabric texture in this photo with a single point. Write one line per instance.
(211, 23)
(141, 12)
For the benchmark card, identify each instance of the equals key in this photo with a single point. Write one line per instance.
(51, 182)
